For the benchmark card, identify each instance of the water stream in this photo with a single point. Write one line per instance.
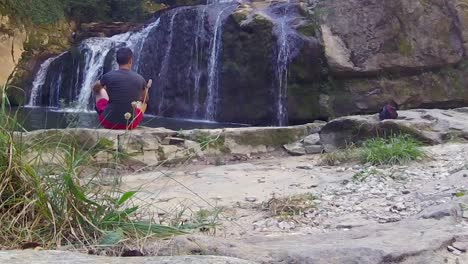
(39, 81)
(213, 68)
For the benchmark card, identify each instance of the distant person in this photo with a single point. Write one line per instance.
(389, 111)
(121, 95)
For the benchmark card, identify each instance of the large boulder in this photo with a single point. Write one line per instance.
(428, 126)
(368, 37)
(253, 57)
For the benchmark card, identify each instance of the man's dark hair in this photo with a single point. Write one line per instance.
(124, 55)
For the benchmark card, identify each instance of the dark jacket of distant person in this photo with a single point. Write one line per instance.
(389, 111)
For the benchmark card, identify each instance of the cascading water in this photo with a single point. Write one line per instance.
(197, 67)
(97, 49)
(95, 52)
(287, 47)
(162, 76)
(183, 57)
(213, 69)
(282, 63)
(39, 81)
(165, 64)
(211, 2)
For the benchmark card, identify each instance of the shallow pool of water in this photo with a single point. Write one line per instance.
(50, 118)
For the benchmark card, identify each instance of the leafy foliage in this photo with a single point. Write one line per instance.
(30, 13)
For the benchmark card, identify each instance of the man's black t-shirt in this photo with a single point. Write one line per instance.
(123, 87)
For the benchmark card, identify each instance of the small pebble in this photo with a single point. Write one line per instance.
(454, 251)
(251, 199)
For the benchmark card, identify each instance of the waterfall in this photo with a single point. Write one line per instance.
(287, 47)
(96, 50)
(137, 40)
(198, 51)
(181, 51)
(39, 81)
(213, 69)
(199, 59)
(185, 53)
(183, 57)
(162, 76)
(282, 63)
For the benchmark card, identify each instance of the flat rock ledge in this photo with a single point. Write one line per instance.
(156, 145)
(61, 257)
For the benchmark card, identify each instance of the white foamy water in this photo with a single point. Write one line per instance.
(39, 81)
(213, 69)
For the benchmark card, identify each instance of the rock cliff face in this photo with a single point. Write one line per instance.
(368, 37)
(7, 59)
(410, 51)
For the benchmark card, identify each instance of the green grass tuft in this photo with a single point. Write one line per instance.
(398, 149)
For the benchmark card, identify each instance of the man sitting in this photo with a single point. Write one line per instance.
(121, 95)
(389, 111)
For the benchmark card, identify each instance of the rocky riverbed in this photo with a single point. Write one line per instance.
(402, 214)
(268, 206)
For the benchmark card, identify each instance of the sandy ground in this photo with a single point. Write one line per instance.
(244, 189)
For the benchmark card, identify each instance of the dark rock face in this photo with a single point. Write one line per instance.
(247, 73)
(24, 76)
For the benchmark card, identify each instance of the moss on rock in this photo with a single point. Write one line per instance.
(273, 138)
(247, 70)
(308, 30)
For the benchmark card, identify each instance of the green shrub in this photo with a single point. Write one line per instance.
(397, 149)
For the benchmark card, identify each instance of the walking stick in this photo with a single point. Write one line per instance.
(144, 104)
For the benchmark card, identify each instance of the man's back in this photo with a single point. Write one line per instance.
(124, 87)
